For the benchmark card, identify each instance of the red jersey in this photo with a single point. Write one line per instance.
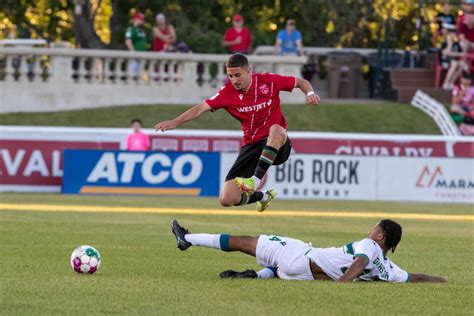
(463, 28)
(231, 35)
(258, 108)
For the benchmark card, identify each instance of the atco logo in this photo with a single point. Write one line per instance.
(427, 178)
(264, 89)
(153, 169)
(435, 178)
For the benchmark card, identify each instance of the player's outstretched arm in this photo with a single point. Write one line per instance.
(354, 270)
(311, 97)
(187, 116)
(419, 277)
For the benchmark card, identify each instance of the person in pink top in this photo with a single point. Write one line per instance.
(137, 140)
(463, 96)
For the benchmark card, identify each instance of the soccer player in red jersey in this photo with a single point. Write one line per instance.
(254, 100)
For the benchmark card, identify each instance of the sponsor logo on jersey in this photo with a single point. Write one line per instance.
(256, 107)
(264, 88)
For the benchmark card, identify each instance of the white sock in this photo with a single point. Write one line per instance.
(265, 198)
(204, 240)
(266, 273)
(257, 180)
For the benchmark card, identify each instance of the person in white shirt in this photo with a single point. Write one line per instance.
(292, 259)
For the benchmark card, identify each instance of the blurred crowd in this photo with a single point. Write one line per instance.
(456, 34)
(237, 38)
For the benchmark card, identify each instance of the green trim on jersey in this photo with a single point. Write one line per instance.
(408, 278)
(362, 255)
(349, 248)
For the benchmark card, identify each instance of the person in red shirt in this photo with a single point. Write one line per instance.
(253, 99)
(164, 34)
(465, 29)
(238, 37)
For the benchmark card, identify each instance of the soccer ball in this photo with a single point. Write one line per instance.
(85, 259)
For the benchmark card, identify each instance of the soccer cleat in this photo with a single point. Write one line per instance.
(247, 185)
(262, 206)
(231, 274)
(179, 232)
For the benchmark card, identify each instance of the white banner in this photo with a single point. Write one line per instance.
(324, 177)
(426, 179)
(369, 178)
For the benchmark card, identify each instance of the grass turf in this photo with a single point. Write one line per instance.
(383, 117)
(143, 273)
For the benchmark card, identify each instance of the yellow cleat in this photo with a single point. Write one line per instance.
(262, 206)
(247, 185)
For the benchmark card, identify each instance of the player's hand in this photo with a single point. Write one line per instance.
(166, 125)
(238, 40)
(313, 99)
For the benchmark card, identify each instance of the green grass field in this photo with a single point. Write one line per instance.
(380, 117)
(142, 272)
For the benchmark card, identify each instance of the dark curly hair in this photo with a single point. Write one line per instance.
(393, 233)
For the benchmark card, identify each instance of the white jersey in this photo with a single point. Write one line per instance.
(335, 261)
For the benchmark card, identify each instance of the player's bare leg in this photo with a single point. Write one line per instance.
(232, 195)
(277, 136)
(276, 139)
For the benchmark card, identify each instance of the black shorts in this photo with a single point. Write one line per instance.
(249, 155)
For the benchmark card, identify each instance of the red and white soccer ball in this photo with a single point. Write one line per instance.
(85, 260)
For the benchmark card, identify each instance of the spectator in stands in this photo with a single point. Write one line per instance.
(164, 34)
(462, 108)
(135, 39)
(445, 18)
(137, 140)
(135, 36)
(451, 59)
(467, 126)
(289, 41)
(463, 96)
(238, 37)
(465, 28)
(468, 6)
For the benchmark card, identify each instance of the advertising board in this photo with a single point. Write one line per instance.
(147, 173)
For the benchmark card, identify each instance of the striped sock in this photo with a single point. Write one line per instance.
(249, 199)
(266, 160)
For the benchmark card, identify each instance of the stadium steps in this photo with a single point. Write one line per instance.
(406, 81)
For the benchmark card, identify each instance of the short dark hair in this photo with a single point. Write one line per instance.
(393, 233)
(237, 60)
(136, 120)
(466, 75)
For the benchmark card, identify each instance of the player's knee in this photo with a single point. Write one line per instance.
(224, 200)
(277, 133)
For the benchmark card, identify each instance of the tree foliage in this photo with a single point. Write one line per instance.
(202, 23)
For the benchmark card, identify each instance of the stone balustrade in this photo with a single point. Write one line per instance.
(52, 79)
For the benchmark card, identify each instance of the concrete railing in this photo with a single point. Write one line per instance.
(52, 79)
(323, 51)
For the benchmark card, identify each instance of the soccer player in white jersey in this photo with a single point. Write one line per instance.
(292, 259)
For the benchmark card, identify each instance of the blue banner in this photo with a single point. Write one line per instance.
(135, 172)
